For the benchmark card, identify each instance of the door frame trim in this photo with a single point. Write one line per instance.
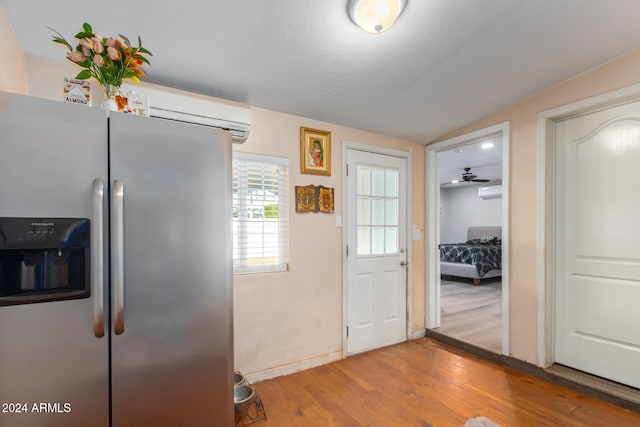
(432, 309)
(546, 286)
(352, 145)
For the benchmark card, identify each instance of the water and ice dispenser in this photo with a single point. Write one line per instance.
(43, 259)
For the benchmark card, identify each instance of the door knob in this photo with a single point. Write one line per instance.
(404, 263)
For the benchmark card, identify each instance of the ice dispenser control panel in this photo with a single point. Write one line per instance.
(43, 259)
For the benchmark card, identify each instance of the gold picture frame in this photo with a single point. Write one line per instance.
(325, 199)
(312, 198)
(315, 151)
(306, 200)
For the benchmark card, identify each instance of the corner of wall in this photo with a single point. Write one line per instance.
(13, 70)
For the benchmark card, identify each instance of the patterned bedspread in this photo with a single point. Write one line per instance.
(484, 256)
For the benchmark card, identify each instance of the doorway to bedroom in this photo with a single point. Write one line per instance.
(467, 245)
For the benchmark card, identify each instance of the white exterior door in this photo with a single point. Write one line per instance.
(377, 250)
(597, 274)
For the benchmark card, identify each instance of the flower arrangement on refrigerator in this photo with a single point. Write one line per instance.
(109, 60)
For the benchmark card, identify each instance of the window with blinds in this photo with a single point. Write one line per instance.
(260, 213)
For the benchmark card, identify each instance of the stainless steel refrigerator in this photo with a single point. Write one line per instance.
(115, 269)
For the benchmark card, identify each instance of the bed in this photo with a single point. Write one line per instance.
(480, 257)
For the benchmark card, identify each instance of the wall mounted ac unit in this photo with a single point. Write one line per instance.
(174, 104)
(490, 192)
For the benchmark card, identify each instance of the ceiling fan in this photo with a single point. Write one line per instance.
(468, 176)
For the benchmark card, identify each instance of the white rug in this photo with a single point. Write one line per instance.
(480, 422)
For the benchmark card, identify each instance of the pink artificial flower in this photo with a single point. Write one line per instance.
(86, 42)
(111, 42)
(97, 45)
(76, 56)
(113, 53)
(98, 60)
(86, 51)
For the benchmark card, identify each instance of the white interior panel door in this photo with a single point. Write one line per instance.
(597, 243)
(377, 242)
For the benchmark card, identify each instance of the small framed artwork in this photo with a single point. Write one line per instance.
(313, 198)
(315, 151)
(325, 199)
(306, 199)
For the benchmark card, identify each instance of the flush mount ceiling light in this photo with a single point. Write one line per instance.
(375, 16)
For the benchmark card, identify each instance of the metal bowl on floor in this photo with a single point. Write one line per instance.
(242, 396)
(238, 378)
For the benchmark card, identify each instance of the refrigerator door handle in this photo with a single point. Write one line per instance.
(97, 257)
(117, 256)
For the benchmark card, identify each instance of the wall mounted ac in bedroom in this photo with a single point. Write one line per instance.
(490, 192)
(179, 105)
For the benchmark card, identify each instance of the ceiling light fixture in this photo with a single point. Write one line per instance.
(375, 16)
(487, 145)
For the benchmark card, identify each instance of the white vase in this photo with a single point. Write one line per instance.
(109, 102)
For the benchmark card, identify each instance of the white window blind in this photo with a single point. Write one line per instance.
(260, 213)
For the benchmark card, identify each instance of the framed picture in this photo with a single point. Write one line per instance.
(313, 198)
(325, 199)
(306, 199)
(315, 151)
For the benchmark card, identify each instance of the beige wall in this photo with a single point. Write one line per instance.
(616, 74)
(294, 319)
(12, 65)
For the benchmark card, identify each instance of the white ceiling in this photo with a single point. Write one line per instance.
(485, 163)
(445, 63)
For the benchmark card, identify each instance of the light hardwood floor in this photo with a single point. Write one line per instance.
(472, 313)
(424, 383)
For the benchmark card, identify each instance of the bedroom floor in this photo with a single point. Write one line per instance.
(472, 313)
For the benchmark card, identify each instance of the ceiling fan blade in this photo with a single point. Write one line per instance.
(480, 180)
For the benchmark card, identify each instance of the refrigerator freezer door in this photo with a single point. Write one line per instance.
(53, 365)
(172, 356)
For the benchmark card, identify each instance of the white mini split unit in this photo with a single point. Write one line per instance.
(490, 192)
(174, 104)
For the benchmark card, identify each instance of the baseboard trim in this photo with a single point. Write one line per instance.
(616, 394)
(291, 368)
(314, 362)
(418, 334)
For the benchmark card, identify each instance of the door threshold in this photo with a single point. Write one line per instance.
(592, 382)
(468, 347)
(608, 391)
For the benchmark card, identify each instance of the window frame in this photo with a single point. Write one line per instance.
(242, 163)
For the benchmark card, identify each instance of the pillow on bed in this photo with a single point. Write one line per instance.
(487, 240)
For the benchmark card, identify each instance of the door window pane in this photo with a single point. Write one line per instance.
(391, 240)
(364, 241)
(364, 210)
(377, 210)
(377, 182)
(364, 180)
(391, 211)
(377, 240)
(391, 183)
